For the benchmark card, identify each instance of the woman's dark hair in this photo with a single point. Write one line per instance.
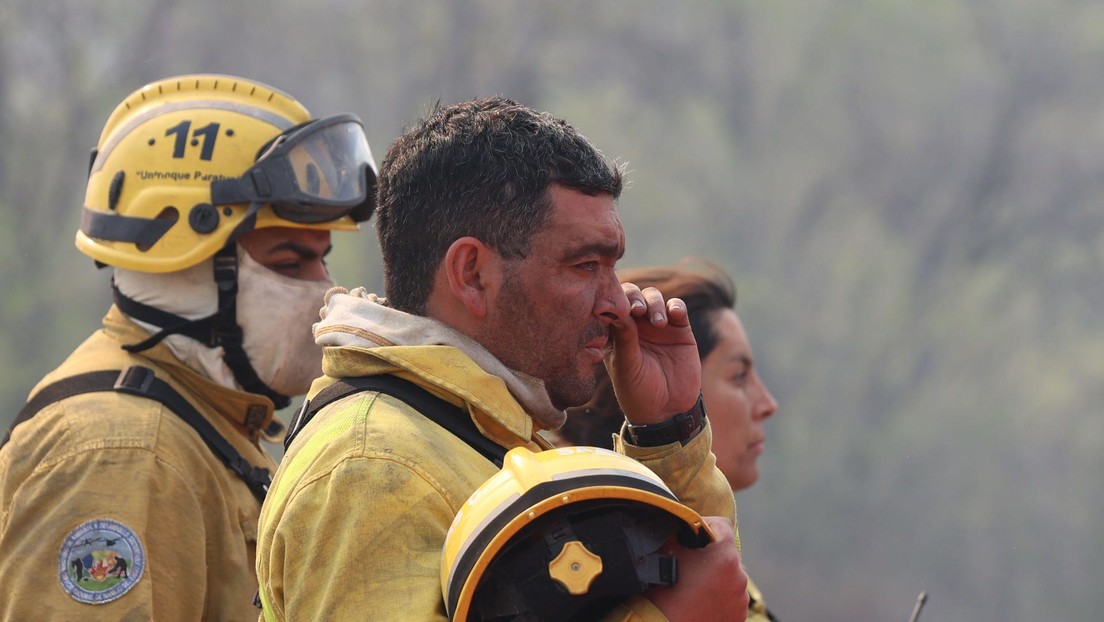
(705, 288)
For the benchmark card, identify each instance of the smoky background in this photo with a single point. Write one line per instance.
(907, 194)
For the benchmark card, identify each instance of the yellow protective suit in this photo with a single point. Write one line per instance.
(103, 477)
(357, 514)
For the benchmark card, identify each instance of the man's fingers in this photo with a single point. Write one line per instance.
(637, 304)
(648, 303)
(676, 313)
(657, 309)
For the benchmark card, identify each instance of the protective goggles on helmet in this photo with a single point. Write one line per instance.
(314, 173)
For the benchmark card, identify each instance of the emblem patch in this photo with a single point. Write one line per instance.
(100, 561)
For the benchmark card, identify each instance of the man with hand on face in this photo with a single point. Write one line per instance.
(500, 234)
(132, 481)
(739, 401)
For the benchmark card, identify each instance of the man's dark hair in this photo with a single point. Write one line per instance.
(705, 288)
(480, 168)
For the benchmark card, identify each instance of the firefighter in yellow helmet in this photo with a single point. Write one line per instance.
(131, 482)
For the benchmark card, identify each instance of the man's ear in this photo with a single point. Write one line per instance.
(470, 267)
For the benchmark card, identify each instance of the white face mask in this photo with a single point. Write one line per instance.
(277, 315)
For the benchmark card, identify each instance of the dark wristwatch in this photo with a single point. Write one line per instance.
(682, 428)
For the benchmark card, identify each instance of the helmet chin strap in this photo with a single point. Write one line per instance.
(219, 329)
(229, 333)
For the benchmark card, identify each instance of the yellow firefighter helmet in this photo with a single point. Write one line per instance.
(563, 534)
(184, 165)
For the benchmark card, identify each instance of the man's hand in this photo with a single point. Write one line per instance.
(654, 366)
(712, 584)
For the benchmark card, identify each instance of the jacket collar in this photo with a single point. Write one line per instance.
(362, 336)
(249, 412)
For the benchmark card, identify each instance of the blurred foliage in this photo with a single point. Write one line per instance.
(906, 193)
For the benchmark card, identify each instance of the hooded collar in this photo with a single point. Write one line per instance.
(363, 336)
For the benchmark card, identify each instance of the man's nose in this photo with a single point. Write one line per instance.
(611, 304)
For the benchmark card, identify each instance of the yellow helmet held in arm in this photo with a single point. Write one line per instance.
(563, 534)
(185, 165)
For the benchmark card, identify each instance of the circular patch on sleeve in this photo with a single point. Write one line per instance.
(100, 561)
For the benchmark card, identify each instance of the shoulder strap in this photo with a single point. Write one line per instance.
(450, 417)
(57, 391)
(141, 381)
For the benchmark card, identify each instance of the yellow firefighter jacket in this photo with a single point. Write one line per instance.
(356, 518)
(113, 508)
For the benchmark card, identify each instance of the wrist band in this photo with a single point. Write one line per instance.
(682, 428)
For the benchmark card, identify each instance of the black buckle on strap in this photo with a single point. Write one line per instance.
(135, 380)
(257, 478)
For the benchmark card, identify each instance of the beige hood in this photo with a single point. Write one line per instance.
(363, 336)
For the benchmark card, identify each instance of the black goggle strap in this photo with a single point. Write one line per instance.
(256, 188)
(252, 187)
(230, 335)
